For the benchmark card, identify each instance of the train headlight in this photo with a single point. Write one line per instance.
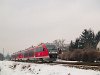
(52, 52)
(56, 52)
(49, 52)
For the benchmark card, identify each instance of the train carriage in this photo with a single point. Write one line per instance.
(43, 52)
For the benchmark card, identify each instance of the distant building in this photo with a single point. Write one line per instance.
(98, 46)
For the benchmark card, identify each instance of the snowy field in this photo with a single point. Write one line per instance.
(19, 68)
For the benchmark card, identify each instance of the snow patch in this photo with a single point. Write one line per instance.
(20, 68)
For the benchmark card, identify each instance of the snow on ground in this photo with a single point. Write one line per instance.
(20, 68)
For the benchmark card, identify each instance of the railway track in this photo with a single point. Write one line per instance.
(80, 65)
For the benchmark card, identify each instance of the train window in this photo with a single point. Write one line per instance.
(39, 49)
(36, 50)
(51, 47)
(13, 56)
(26, 54)
(16, 55)
(31, 53)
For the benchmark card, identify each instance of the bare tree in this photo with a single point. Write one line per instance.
(60, 43)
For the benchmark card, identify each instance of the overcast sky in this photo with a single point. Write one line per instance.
(24, 23)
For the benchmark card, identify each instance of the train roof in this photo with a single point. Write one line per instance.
(32, 47)
(49, 43)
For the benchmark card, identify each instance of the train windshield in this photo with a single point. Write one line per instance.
(51, 47)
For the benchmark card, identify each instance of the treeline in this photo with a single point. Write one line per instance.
(6, 57)
(1, 56)
(84, 48)
(86, 40)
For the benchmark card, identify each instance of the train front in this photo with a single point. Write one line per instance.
(53, 52)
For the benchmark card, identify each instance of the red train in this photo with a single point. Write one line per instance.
(43, 52)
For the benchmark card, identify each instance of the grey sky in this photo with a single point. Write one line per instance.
(28, 22)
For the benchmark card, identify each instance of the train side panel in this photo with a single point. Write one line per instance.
(41, 52)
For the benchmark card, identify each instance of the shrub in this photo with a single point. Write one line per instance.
(76, 55)
(81, 55)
